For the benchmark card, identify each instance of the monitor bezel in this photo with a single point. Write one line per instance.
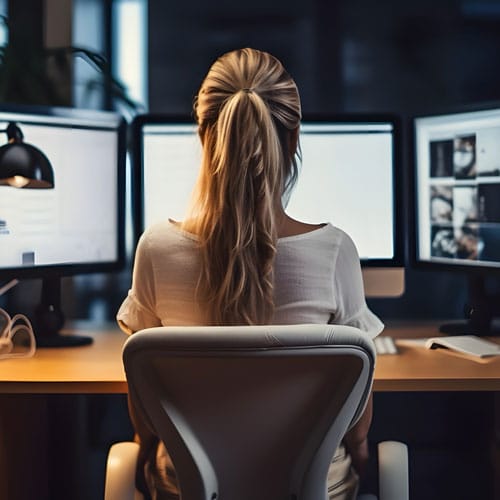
(399, 238)
(70, 269)
(413, 237)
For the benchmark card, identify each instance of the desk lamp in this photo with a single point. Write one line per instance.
(23, 165)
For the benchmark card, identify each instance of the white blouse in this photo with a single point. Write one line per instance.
(317, 279)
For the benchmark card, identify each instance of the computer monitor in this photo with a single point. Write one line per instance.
(73, 225)
(350, 176)
(456, 207)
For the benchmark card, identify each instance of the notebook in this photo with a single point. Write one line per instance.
(469, 345)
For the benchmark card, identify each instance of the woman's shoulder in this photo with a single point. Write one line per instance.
(167, 231)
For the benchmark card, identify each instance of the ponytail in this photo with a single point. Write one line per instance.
(243, 176)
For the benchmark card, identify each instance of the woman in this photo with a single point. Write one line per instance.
(239, 259)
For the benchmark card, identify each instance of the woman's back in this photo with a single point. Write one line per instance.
(317, 279)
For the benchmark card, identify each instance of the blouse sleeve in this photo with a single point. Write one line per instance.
(349, 292)
(138, 309)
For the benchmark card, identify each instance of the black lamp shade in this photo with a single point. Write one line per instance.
(24, 165)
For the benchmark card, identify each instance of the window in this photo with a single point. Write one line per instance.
(118, 31)
(129, 42)
(88, 33)
(4, 35)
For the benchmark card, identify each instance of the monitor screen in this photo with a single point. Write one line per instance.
(349, 176)
(62, 202)
(457, 190)
(456, 208)
(77, 225)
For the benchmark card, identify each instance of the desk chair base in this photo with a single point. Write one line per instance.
(120, 472)
(392, 460)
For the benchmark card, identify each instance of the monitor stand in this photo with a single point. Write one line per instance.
(480, 310)
(49, 319)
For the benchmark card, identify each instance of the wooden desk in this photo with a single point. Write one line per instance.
(92, 369)
(41, 457)
(24, 414)
(98, 368)
(419, 369)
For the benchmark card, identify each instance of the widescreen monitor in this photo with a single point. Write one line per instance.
(77, 224)
(456, 209)
(349, 176)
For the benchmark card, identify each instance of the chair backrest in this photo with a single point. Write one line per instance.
(250, 412)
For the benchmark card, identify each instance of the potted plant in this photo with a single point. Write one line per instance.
(42, 76)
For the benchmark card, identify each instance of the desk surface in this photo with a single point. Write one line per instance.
(98, 368)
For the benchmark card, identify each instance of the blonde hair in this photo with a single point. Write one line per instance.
(247, 110)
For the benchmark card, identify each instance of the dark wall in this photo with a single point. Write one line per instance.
(346, 55)
(349, 55)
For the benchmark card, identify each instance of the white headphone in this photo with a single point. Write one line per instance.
(12, 327)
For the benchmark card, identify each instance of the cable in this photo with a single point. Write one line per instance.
(8, 286)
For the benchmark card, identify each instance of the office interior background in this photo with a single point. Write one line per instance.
(388, 56)
(357, 56)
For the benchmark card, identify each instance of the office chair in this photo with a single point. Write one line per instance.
(249, 412)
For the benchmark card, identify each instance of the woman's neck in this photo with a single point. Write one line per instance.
(285, 225)
(291, 227)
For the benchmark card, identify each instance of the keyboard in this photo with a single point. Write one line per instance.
(385, 345)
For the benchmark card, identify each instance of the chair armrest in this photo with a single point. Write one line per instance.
(393, 471)
(120, 472)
